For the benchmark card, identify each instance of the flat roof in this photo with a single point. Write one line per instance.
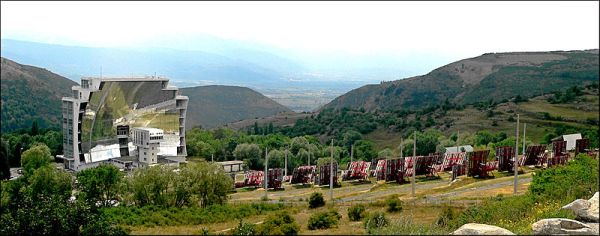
(151, 130)
(231, 162)
(132, 78)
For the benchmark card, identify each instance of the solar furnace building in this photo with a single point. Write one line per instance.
(108, 119)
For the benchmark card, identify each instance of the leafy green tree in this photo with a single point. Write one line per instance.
(209, 182)
(363, 150)
(5, 169)
(100, 184)
(43, 207)
(35, 129)
(426, 143)
(276, 159)
(149, 185)
(34, 158)
(483, 138)
(350, 137)
(385, 153)
(250, 153)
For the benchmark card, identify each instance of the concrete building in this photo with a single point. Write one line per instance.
(101, 116)
(147, 141)
(232, 166)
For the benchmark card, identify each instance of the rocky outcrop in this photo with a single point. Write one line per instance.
(561, 226)
(481, 229)
(585, 210)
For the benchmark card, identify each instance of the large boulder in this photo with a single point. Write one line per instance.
(594, 227)
(585, 210)
(561, 226)
(481, 229)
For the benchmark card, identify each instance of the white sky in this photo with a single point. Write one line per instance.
(450, 28)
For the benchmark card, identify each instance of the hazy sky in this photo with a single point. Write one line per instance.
(465, 28)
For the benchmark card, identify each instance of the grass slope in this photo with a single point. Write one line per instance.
(492, 76)
(216, 105)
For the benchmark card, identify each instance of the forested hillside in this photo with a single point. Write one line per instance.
(31, 94)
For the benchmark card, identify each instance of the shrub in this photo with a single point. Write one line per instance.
(356, 212)
(393, 204)
(244, 229)
(577, 179)
(324, 220)
(316, 200)
(446, 216)
(376, 220)
(549, 190)
(406, 226)
(279, 224)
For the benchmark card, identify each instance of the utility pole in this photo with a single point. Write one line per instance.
(414, 163)
(351, 153)
(457, 141)
(401, 149)
(285, 169)
(266, 174)
(331, 174)
(212, 157)
(516, 160)
(524, 128)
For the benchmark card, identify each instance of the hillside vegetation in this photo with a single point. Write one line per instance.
(31, 94)
(215, 105)
(545, 120)
(492, 76)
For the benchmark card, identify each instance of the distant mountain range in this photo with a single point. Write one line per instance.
(209, 60)
(216, 105)
(492, 76)
(186, 67)
(31, 93)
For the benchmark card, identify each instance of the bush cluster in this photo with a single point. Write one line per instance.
(279, 224)
(316, 200)
(324, 220)
(376, 220)
(393, 204)
(158, 216)
(356, 212)
(244, 229)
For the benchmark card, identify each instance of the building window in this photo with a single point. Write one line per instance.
(144, 154)
(144, 159)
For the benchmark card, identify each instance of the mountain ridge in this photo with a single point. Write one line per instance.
(229, 104)
(496, 76)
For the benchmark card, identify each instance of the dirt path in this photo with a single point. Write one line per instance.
(373, 192)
